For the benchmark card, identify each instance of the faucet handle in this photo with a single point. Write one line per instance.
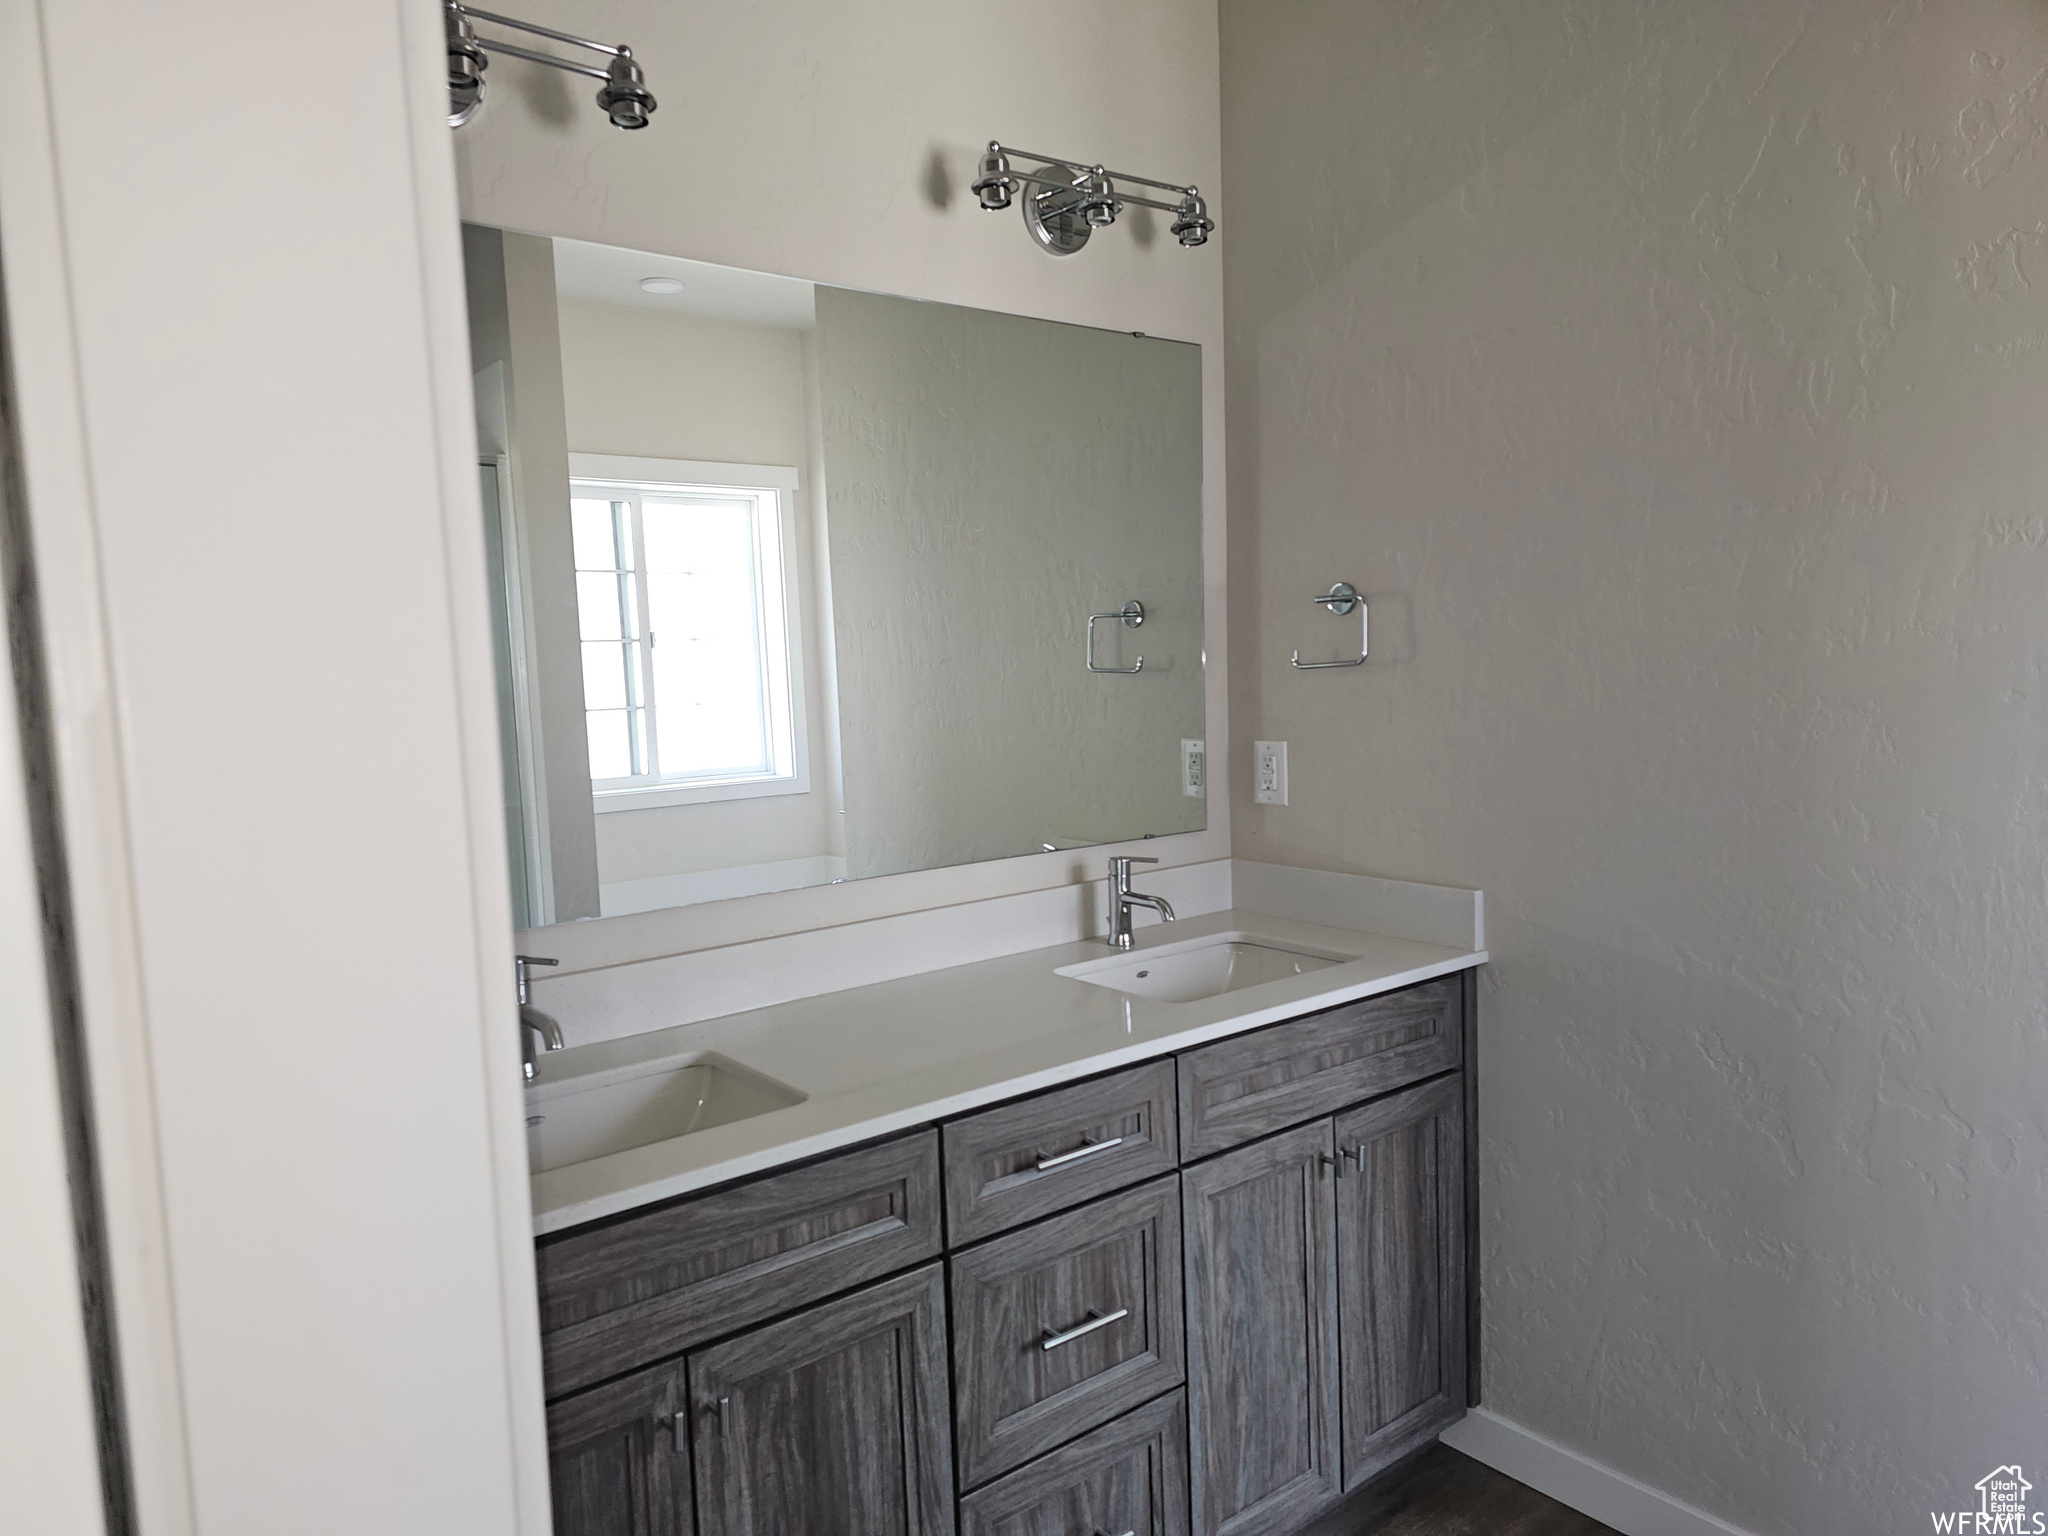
(519, 965)
(1122, 862)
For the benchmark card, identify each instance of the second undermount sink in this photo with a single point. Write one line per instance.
(1206, 967)
(572, 1122)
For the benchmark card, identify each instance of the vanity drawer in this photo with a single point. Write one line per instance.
(1264, 1081)
(1128, 1478)
(615, 1297)
(1062, 1326)
(1022, 1161)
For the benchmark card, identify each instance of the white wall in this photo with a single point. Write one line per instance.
(836, 142)
(275, 753)
(681, 386)
(1673, 376)
(49, 1461)
(996, 480)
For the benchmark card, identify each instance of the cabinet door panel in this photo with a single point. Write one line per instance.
(617, 1464)
(1257, 1083)
(621, 1293)
(1401, 1273)
(834, 1420)
(1262, 1334)
(1131, 1476)
(1109, 1275)
(1015, 1163)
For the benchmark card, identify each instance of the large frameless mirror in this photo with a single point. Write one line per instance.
(794, 584)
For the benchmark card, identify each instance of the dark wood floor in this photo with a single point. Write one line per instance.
(1443, 1493)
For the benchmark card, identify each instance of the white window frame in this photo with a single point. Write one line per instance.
(775, 486)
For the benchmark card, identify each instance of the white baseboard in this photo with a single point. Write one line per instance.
(1611, 1497)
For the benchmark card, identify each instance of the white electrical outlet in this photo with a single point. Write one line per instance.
(1194, 769)
(1269, 773)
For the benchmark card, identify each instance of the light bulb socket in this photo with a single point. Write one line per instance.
(624, 96)
(1099, 205)
(995, 186)
(467, 62)
(1191, 224)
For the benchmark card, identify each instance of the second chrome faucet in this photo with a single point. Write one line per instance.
(1122, 899)
(532, 1021)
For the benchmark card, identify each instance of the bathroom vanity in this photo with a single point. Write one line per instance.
(1209, 1289)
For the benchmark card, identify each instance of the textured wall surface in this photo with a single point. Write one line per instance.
(993, 481)
(1675, 378)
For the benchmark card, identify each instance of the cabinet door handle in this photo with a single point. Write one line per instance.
(1357, 1156)
(1086, 1149)
(665, 1423)
(1324, 1160)
(1096, 1320)
(1099, 1531)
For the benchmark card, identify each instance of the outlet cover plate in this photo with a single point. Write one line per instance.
(1269, 773)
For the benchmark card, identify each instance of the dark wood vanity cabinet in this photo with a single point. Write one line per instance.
(1062, 1326)
(619, 1458)
(1206, 1295)
(1326, 1307)
(1262, 1333)
(835, 1419)
(1401, 1238)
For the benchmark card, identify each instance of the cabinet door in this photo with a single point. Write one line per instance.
(834, 1420)
(1262, 1333)
(616, 1458)
(1401, 1273)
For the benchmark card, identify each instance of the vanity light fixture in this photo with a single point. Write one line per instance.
(624, 95)
(1065, 201)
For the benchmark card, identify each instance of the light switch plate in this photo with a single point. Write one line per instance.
(1269, 773)
(1194, 769)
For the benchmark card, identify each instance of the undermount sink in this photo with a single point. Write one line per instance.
(1199, 968)
(568, 1123)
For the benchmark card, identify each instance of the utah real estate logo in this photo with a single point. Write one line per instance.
(2001, 1509)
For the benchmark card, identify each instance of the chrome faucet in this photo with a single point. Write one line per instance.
(531, 1020)
(1122, 898)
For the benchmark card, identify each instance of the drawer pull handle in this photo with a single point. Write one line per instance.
(1096, 1320)
(1086, 1149)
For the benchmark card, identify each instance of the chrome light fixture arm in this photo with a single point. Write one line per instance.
(614, 49)
(624, 97)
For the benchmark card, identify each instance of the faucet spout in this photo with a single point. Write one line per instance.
(1122, 899)
(542, 1024)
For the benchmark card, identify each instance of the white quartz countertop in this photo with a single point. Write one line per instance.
(882, 1058)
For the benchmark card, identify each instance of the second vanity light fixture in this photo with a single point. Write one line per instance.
(624, 95)
(1066, 202)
